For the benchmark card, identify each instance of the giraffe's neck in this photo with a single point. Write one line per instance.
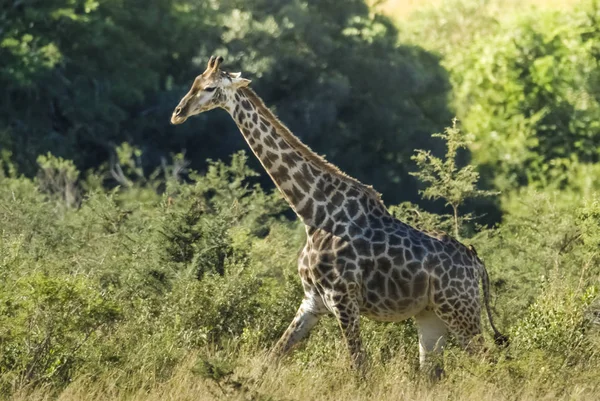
(321, 195)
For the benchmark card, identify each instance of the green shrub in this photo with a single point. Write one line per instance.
(47, 324)
(557, 321)
(57, 178)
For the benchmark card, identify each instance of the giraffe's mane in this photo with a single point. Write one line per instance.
(304, 150)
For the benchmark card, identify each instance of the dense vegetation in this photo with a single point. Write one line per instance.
(80, 77)
(125, 273)
(526, 85)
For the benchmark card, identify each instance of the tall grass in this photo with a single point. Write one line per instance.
(255, 378)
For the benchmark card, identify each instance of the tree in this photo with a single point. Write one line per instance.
(445, 180)
(82, 76)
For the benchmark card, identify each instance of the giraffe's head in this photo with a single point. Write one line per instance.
(209, 90)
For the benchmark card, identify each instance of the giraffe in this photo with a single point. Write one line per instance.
(358, 259)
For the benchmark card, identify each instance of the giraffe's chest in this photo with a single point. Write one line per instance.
(326, 259)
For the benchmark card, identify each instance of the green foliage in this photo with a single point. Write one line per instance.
(545, 245)
(417, 217)
(119, 273)
(525, 85)
(443, 177)
(80, 77)
(7, 168)
(200, 221)
(132, 281)
(57, 177)
(47, 323)
(557, 321)
(73, 71)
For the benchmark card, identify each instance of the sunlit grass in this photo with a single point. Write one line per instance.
(254, 377)
(401, 9)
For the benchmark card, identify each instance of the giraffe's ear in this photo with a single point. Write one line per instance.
(237, 81)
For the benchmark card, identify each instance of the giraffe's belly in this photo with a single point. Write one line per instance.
(394, 312)
(394, 297)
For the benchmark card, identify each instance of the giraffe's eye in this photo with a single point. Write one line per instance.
(211, 89)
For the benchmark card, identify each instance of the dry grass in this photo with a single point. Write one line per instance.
(401, 9)
(254, 378)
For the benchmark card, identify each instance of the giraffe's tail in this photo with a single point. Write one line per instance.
(499, 338)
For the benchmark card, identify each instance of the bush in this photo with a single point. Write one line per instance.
(57, 178)
(525, 84)
(133, 279)
(557, 321)
(47, 325)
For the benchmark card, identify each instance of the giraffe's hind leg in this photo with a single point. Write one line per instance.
(432, 339)
(466, 328)
(461, 311)
(304, 320)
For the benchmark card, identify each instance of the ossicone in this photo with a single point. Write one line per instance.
(214, 62)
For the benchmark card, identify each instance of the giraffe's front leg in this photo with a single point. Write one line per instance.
(347, 313)
(305, 319)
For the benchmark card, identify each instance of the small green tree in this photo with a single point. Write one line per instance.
(445, 180)
(58, 177)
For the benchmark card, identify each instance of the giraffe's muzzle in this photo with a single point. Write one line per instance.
(177, 117)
